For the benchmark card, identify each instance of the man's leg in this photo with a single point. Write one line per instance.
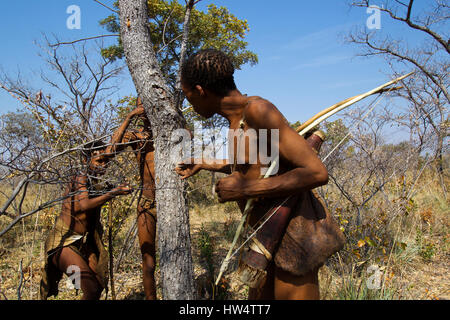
(147, 233)
(90, 286)
(291, 287)
(267, 291)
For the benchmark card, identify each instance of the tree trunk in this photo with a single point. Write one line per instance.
(177, 276)
(179, 96)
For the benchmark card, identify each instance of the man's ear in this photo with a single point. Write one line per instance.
(200, 90)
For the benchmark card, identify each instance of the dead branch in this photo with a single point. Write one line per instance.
(104, 5)
(83, 39)
(19, 288)
(179, 97)
(425, 27)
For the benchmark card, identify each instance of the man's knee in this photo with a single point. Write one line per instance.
(148, 263)
(90, 285)
(92, 293)
(148, 250)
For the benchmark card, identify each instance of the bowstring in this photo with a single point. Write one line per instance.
(379, 98)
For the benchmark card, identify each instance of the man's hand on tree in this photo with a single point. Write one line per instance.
(186, 170)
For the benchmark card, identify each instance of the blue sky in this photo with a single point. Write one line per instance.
(304, 64)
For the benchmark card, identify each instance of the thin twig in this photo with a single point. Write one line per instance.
(24, 181)
(110, 245)
(165, 25)
(125, 246)
(19, 289)
(84, 39)
(107, 6)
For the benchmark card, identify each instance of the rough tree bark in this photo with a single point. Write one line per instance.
(177, 276)
(179, 96)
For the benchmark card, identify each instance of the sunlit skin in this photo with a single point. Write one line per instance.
(300, 170)
(143, 147)
(81, 212)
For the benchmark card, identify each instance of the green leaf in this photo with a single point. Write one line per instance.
(369, 242)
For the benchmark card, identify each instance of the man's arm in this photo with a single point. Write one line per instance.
(82, 202)
(308, 171)
(118, 135)
(186, 170)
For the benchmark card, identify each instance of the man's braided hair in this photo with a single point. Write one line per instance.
(211, 69)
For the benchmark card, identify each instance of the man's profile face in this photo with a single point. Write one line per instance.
(189, 93)
(98, 162)
(198, 100)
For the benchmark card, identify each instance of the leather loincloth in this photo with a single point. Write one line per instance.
(61, 236)
(311, 237)
(147, 205)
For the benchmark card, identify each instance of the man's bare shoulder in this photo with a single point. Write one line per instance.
(261, 113)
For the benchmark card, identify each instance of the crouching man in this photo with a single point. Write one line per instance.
(74, 245)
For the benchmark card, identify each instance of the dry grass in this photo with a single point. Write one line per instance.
(412, 252)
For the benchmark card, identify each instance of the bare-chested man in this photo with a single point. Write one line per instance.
(75, 244)
(208, 83)
(142, 144)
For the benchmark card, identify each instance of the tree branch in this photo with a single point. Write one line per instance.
(84, 39)
(104, 5)
(179, 96)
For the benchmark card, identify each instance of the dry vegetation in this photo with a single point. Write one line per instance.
(408, 241)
